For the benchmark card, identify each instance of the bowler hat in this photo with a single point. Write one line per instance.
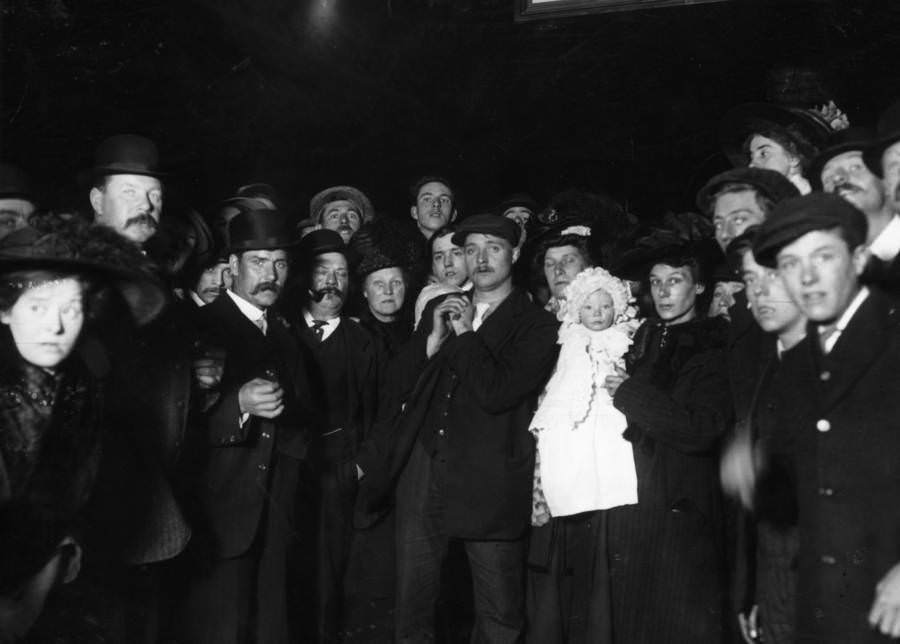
(341, 193)
(260, 230)
(771, 184)
(127, 154)
(487, 224)
(887, 132)
(517, 199)
(15, 184)
(84, 250)
(852, 139)
(322, 241)
(793, 218)
(807, 128)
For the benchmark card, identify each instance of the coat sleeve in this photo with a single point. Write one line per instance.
(498, 380)
(223, 421)
(693, 416)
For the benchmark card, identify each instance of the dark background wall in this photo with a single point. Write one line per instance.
(309, 93)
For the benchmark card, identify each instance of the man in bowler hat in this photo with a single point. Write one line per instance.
(252, 445)
(126, 192)
(17, 199)
(838, 433)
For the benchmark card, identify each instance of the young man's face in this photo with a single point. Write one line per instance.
(735, 212)
(771, 306)
(821, 273)
(434, 207)
(448, 262)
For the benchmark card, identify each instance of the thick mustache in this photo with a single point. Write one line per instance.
(846, 185)
(144, 219)
(266, 286)
(319, 295)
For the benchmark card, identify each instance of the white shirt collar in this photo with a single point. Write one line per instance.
(845, 318)
(196, 298)
(330, 325)
(251, 312)
(887, 245)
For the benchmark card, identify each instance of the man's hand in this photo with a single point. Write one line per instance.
(262, 398)
(442, 320)
(461, 314)
(749, 625)
(885, 613)
(208, 372)
(738, 468)
(612, 382)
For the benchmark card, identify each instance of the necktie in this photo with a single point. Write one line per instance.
(318, 327)
(261, 323)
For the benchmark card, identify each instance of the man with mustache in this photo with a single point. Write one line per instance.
(250, 448)
(127, 194)
(342, 209)
(460, 447)
(841, 169)
(345, 364)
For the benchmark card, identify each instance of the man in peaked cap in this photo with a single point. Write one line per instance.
(127, 193)
(17, 199)
(342, 209)
(838, 433)
(253, 441)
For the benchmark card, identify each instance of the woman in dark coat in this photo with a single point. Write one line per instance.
(660, 571)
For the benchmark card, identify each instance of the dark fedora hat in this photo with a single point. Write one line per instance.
(127, 154)
(79, 249)
(807, 128)
(341, 193)
(852, 139)
(769, 183)
(15, 184)
(887, 132)
(261, 230)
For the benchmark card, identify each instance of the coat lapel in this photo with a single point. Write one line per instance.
(857, 348)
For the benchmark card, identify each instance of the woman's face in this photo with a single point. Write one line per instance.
(674, 293)
(770, 155)
(46, 320)
(561, 265)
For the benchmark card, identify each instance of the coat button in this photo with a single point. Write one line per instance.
(263, 467)
(441, 432)
(266, 435)
(823, 425)
(828, 560)
(825, 376)
(826, 491)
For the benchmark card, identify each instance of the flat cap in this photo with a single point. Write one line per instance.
(769, 183)
(793, 218)
(487, 224)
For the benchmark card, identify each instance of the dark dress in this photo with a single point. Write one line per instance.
(660, 572)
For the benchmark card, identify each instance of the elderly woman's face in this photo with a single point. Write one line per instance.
(46, 320)
(770, 155)
(561, 265)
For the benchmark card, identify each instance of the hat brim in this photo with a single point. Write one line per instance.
(872, 154)
(341, 193)
(818, 164)
(271, 243)
(144, 294)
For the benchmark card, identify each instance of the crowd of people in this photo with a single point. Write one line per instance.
(253, 426)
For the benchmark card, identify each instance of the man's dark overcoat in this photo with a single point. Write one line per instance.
(475, 396)
(840, 424)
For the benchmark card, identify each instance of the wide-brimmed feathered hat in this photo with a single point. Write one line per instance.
(94, 251)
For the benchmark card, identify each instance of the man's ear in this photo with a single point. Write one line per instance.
(413, 213)
(70, 560)
(96, 197)
(453, 215)
(860, 257)
(233, 264)
(700, 288)
(516, 251)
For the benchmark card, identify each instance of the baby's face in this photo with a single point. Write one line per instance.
(598, 312)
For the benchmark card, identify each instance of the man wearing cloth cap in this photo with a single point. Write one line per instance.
(345, 367)
(252, 443)
(342, 209)
(17, 199)
(838, 423)
(127, 194)
(461, 442)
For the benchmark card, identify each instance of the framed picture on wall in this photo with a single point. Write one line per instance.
(541, 9)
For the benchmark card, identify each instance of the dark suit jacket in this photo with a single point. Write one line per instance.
(482, 386)
(839, 426)
(234, 484)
